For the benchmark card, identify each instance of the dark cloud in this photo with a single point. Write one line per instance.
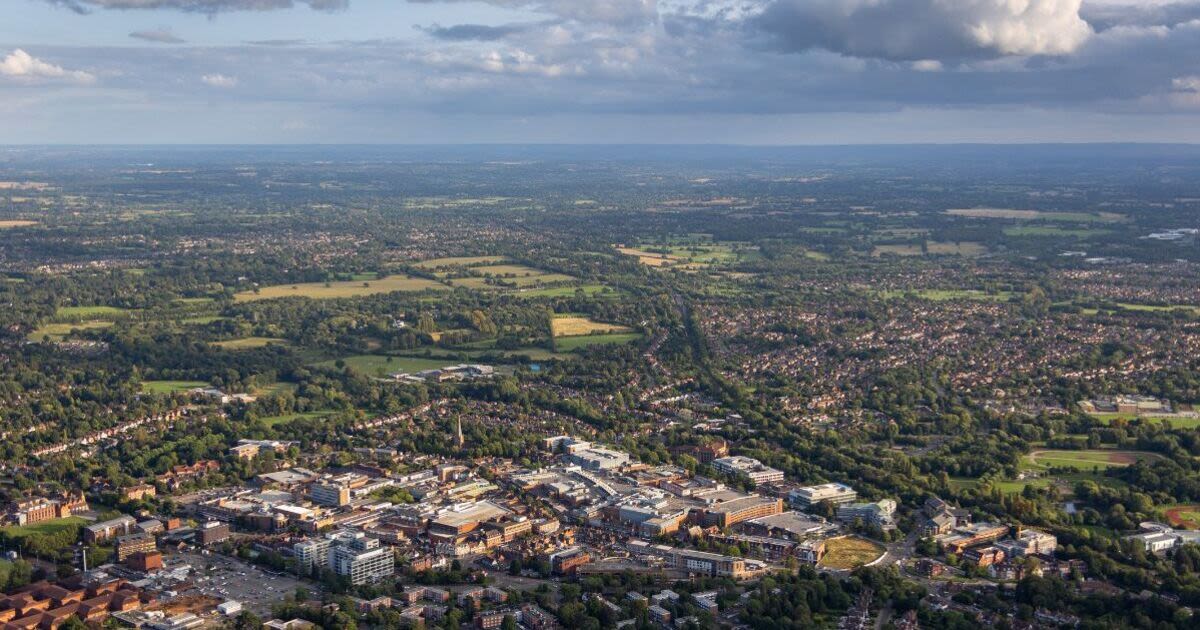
(159, 36)
(473, 32)
(909, 30)
(200, 6)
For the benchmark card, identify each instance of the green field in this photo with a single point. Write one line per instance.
(1083, 460)
(932, 248)
(1173, 422)
(278, 388)
(248, 343)
(47, 527)
(460, 261)
(170, 387)
(569, 344)
(74, 313)
(553, 292)
(58, 332)
(382, 365)
(1022, 215)
(286, 418)
(348, 289)
(944, 295)
(850, 552)
(1053, 231)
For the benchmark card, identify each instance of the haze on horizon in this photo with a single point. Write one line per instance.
(612, 71)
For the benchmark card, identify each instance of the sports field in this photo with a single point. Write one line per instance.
(382, 365)
(170, 387)
(459, 261)
(850, 552)
(1084, 460)
(347, 289)
(248, 343)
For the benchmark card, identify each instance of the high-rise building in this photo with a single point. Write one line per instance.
(360, 558)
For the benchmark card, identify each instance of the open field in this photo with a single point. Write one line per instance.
(170, 387)
(57, 332)
(8, 224)
(1186, 516)
(850, 552)
(1175, 422)
(382, 365)
(568, 344)
(552, 292)
(1084, 460)
(688, 256)
(45, 527)
(569, 326)
(1010, 213)
(461, 261)
(1052, 231)
(88, 312)
(932, 248)
(247, 343)
(348, 289)
(286, 418)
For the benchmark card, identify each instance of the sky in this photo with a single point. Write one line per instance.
(773, 72)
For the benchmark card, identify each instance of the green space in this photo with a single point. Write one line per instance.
(943, 295)
(278, 388)
(1053, 231)
(569, 344)
(567, 291)
(16, 532)
(1083, 460)
(459, 261)
(1174, 422)
(88, 312)
(248, 343)
(346, 289)
(383, 365)
(58, 332)
(286, 418)
(850, 552)
(170, 387)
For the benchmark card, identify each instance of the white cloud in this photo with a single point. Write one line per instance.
(913, 30)
(1186, 84)
(218, 80)
(22, 66)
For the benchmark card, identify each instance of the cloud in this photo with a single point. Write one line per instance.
(22, 66)
(588, 11)
(200, 6)
(159, 36)
(473, 32)
(913, 30)
(219, 81)
(1107, 15)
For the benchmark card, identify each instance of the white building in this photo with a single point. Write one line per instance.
(749, 468)
(833, 493)
(360, 558)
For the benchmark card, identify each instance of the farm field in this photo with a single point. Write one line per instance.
(688, 256)
(932, 248)
(382, 365)
(570, 326)
(347, 289)
(850, 552)
(248, 343)
(170, 387)
(89, 312)
(1083, 460)
(1053, 231)
(588, 289)
(569, 344)
(8, 224)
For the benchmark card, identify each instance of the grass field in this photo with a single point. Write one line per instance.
(58, 332)
(932, 248)
(943, 295)
(553, 292)
(850, 552)
(688, 256)
(1084, 460)
(89, 312)
(569, 326)
(277, 388)
(46, 527)
(461, 261)
(568, 344)
(348, 289)
(1172, 421)
(8, 224)
(248, 343)
(381, 365)
(286, 418)
(1010, 213)
(1052, 231)
(170, 387)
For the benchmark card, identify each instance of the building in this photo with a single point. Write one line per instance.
(40, 510)
(360, 558)
(138, 492)
(107, 530)
(984, 556)
(145, 561)
(332, 494)
(311, 553)
(1159, 537)
(747, 468)
(729, 513)
(212, 532)
(967, 536)
(790, 525)
(566, 562)
(832, 493)
(879, 514)
(1029, 542)
(134, 543)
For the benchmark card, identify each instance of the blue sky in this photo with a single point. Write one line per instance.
(588, 71)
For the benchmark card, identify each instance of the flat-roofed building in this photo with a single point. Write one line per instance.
(832, 493)
(747, 468)
(107, 530)
(732, 512)
(879, 513)
(791, 525)
(134, 543)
